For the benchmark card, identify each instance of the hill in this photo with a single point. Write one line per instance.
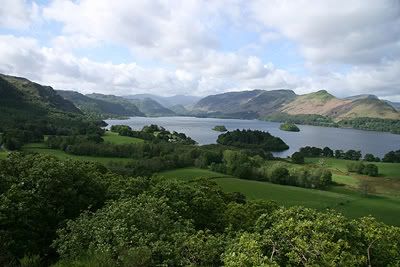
(17, 89)
(323, 103)
(29, 110)
(396, 105)
(245, 104)
(147, 106)
(260, 104)
(98, 107)
(152, 108)
(168, 101)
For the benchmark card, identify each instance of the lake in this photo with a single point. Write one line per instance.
(200, 129)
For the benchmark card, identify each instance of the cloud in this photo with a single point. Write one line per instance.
(350, 32)
(17, 14)
(186, 45)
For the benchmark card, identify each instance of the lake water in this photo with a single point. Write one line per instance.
(200, 129)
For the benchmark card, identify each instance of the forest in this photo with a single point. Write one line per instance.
(69, 213)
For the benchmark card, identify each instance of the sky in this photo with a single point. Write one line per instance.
(203, 47)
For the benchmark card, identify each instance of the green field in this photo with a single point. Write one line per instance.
(388, 170)
(42, 148)
(3, 154)
(350, 203)
(191, 173)
(114, 138)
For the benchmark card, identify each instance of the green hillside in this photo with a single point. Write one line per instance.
(147, 106)
(103, 108)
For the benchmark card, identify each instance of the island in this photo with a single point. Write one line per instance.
(220, 128)
(290, 127)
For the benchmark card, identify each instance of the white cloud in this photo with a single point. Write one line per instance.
(184, 41)
(17, 14)
(351, 31)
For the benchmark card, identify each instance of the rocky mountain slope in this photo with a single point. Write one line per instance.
(260, 103)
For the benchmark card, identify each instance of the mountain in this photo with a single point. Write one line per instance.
(168, 101)
(17, 92)
(363, 96)
(152, 108)
(102, 108)
(325, 104)
(29, 110)
(244, 104)
(260, 104)
(22, 100)
(396, 105)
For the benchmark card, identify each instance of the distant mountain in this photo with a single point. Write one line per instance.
(260, 103)
(323, 103)
(168, 101)
(244, 104)
(180, 110)
(363, 96)
(104, 108)
(396, 105)
(152, 108)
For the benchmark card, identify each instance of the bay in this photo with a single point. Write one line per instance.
(200, 129)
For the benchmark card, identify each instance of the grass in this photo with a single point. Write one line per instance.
(42, 148)
(387, 183)
(389, 170)
(3, 154)
(115, 138)
(349, 202)
(191, 174)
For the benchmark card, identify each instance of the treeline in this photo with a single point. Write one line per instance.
(252, 139)
(361, 168)
(392, 156)
(374, 124)
(240, 164)
(308, 119)
(68, 213)
(310, 151)
(153, 133)
(363, 123)
(17, 134)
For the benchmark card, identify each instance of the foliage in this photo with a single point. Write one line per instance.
(38, 193)
(252, 139)
(361, 168)
(309, 119)
(154, 133)
(220, 128)
(290, 127)
(392, 156)
(374, 124)
(297, 158)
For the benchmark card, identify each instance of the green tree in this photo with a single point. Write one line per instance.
(298, 158)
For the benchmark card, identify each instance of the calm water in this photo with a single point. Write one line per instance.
(199, 129)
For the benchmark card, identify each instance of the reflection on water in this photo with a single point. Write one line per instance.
(200, 129)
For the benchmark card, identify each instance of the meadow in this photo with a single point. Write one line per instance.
(344, 197)
(349, 202)
(115, 138)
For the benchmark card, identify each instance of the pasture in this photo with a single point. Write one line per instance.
(349, 202)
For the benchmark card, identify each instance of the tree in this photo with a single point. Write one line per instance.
(279, 175)
(371, 170)
(366, 188)
(327, 152)
(298, 158)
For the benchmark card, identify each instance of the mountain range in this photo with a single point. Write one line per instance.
(25, 99)
(260, 104)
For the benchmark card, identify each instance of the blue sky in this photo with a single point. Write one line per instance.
(198, 47)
